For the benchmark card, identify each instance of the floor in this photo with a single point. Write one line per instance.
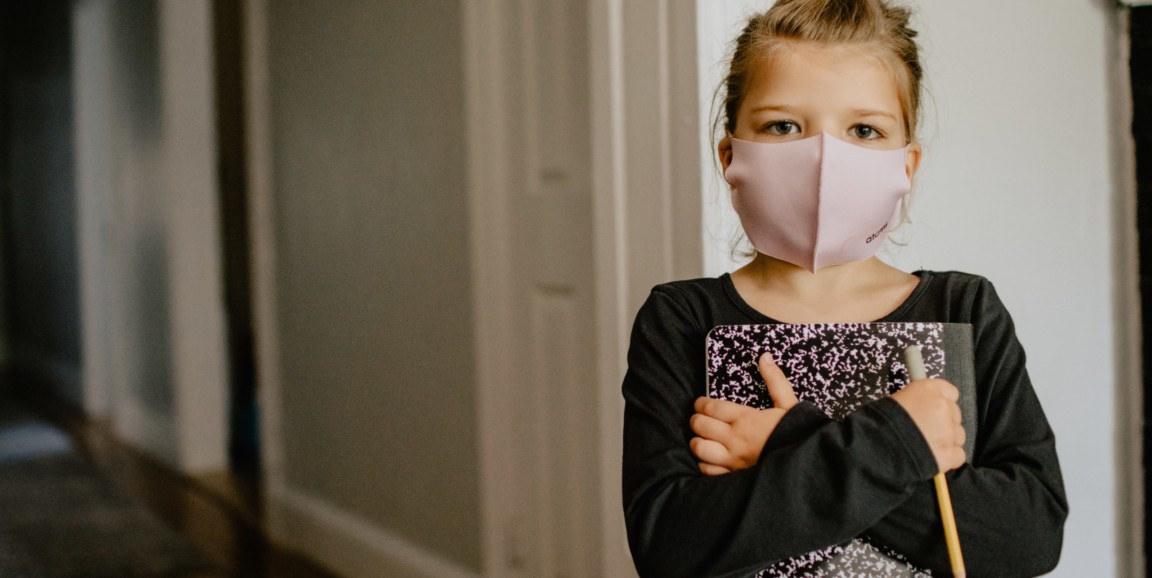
(219, 514)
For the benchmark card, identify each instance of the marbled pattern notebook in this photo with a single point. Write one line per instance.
(839, 367)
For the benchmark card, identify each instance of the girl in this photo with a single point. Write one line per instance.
(822, 100)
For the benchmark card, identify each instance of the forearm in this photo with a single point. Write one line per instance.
(1010, 518)
(1009, 503)
(822, 489)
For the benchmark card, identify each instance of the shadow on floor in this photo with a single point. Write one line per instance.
(76, 502)
(61, 517)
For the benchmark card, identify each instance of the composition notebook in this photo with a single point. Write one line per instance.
(839, 367)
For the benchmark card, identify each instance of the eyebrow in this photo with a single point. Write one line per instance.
(775, 107)
(868, 112)
(858, 113)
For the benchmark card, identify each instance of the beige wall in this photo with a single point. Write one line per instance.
(366, 121)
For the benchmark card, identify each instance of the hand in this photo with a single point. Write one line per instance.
(932, 405)
(731, 435)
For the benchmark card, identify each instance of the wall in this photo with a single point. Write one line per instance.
(39, 217)
(1013, 193)
(1018, 185)
(369, 219)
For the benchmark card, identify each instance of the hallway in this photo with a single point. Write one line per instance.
(78, 503)
(389, 255)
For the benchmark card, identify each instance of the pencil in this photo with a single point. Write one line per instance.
(915, 363)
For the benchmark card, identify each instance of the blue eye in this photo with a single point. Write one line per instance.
(865, 132)
(781, 128)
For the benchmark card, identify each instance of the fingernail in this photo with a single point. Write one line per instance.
(767, 357)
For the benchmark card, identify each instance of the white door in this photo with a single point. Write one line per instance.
(536, 249)
(553, 255)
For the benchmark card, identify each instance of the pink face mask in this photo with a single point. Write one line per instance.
(818, 201)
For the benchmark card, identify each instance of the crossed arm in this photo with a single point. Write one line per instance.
(731, 436)
(817, 482)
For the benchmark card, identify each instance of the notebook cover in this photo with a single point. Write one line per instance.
(839, 367)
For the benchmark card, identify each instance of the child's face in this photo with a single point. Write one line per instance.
(804, 89)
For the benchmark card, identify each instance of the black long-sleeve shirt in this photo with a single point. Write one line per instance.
(821, 482)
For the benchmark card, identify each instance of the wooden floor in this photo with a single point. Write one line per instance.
(219, 514)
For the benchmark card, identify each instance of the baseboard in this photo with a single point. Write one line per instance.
(146, 431)
(351, 545)
(34, 366)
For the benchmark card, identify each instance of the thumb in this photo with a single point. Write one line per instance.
(779, 389)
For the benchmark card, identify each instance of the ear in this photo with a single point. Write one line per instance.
(912, 160)
(724, 150)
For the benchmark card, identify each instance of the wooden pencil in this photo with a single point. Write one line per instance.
(915, 363)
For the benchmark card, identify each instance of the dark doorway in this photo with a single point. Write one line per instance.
(40, 286)
(244, 438)
(1140, 29)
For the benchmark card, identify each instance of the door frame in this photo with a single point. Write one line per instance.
(193, 436)
(1133, 513)
(488, 67)
(631, 180)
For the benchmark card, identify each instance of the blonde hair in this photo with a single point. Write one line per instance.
(874, 23)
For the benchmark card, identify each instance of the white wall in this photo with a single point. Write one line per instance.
(1014, 192)
(1017, 185)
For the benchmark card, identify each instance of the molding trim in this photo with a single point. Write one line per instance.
(609, 226)
(487, 85)
(196, 325)
(262, 230)
(93, 112)
(353, 546)
(1129, 498)
(146, 430)
(646, 199)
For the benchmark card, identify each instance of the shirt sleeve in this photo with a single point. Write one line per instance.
(1009, 499)
(807, 492)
